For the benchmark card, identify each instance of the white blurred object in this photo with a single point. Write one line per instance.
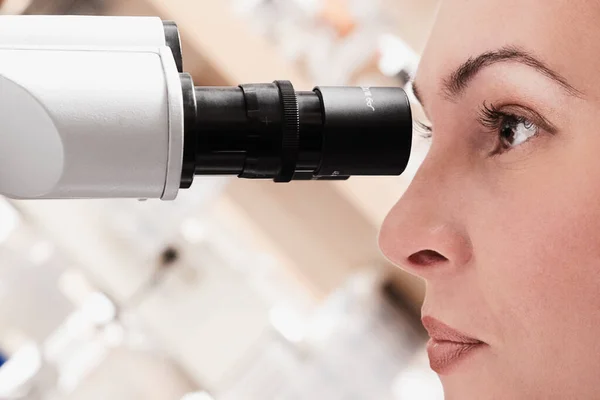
(76, 348)
(75, 287)
(194, 231)
(20, 370)
(87, 357)
(418, 381)
(288, 324)
(396, 56)
(325, 321)
(99, 309)
(113, 335)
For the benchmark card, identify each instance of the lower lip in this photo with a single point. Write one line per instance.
(444, 356)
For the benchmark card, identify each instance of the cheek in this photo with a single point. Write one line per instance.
(537, 245)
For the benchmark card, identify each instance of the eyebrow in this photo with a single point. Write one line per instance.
(456, 83)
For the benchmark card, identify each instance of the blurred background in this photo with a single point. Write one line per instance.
(238, 290)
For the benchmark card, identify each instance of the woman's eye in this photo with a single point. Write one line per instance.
(510, 127)
(515, 131)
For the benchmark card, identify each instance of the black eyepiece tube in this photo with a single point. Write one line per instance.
(270, 131)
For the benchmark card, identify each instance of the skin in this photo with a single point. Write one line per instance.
(509, 245)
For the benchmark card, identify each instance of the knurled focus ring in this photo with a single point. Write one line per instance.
(290, 140)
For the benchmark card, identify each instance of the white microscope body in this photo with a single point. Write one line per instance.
(90, 107)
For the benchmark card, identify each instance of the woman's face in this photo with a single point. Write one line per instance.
(503, 218)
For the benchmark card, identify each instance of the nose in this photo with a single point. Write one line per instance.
(425, 232)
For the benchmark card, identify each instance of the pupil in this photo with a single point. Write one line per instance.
(507, 132)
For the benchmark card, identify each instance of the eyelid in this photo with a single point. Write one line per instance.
(531, 115)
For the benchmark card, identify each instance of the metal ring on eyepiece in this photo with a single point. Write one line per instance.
(290, 140)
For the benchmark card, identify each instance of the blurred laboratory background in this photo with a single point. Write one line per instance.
(237, 290)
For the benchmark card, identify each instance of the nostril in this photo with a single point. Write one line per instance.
(426, 258)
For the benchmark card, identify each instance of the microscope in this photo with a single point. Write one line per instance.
(100, 107)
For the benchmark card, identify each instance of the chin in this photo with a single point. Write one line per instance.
(471, 393)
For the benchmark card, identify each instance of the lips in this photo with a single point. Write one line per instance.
(447, 347)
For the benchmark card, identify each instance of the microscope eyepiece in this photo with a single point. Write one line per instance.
(271, 131)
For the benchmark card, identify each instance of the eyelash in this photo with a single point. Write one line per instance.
(494, 119)
(425, 131)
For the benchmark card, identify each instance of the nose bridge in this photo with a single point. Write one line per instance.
(436, 185)
(430, 202)
(424, 229)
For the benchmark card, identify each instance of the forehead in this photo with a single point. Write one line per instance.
(563, 34)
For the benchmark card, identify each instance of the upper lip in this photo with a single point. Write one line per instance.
(443, 333)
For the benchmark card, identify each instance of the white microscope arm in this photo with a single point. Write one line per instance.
(90, 107)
